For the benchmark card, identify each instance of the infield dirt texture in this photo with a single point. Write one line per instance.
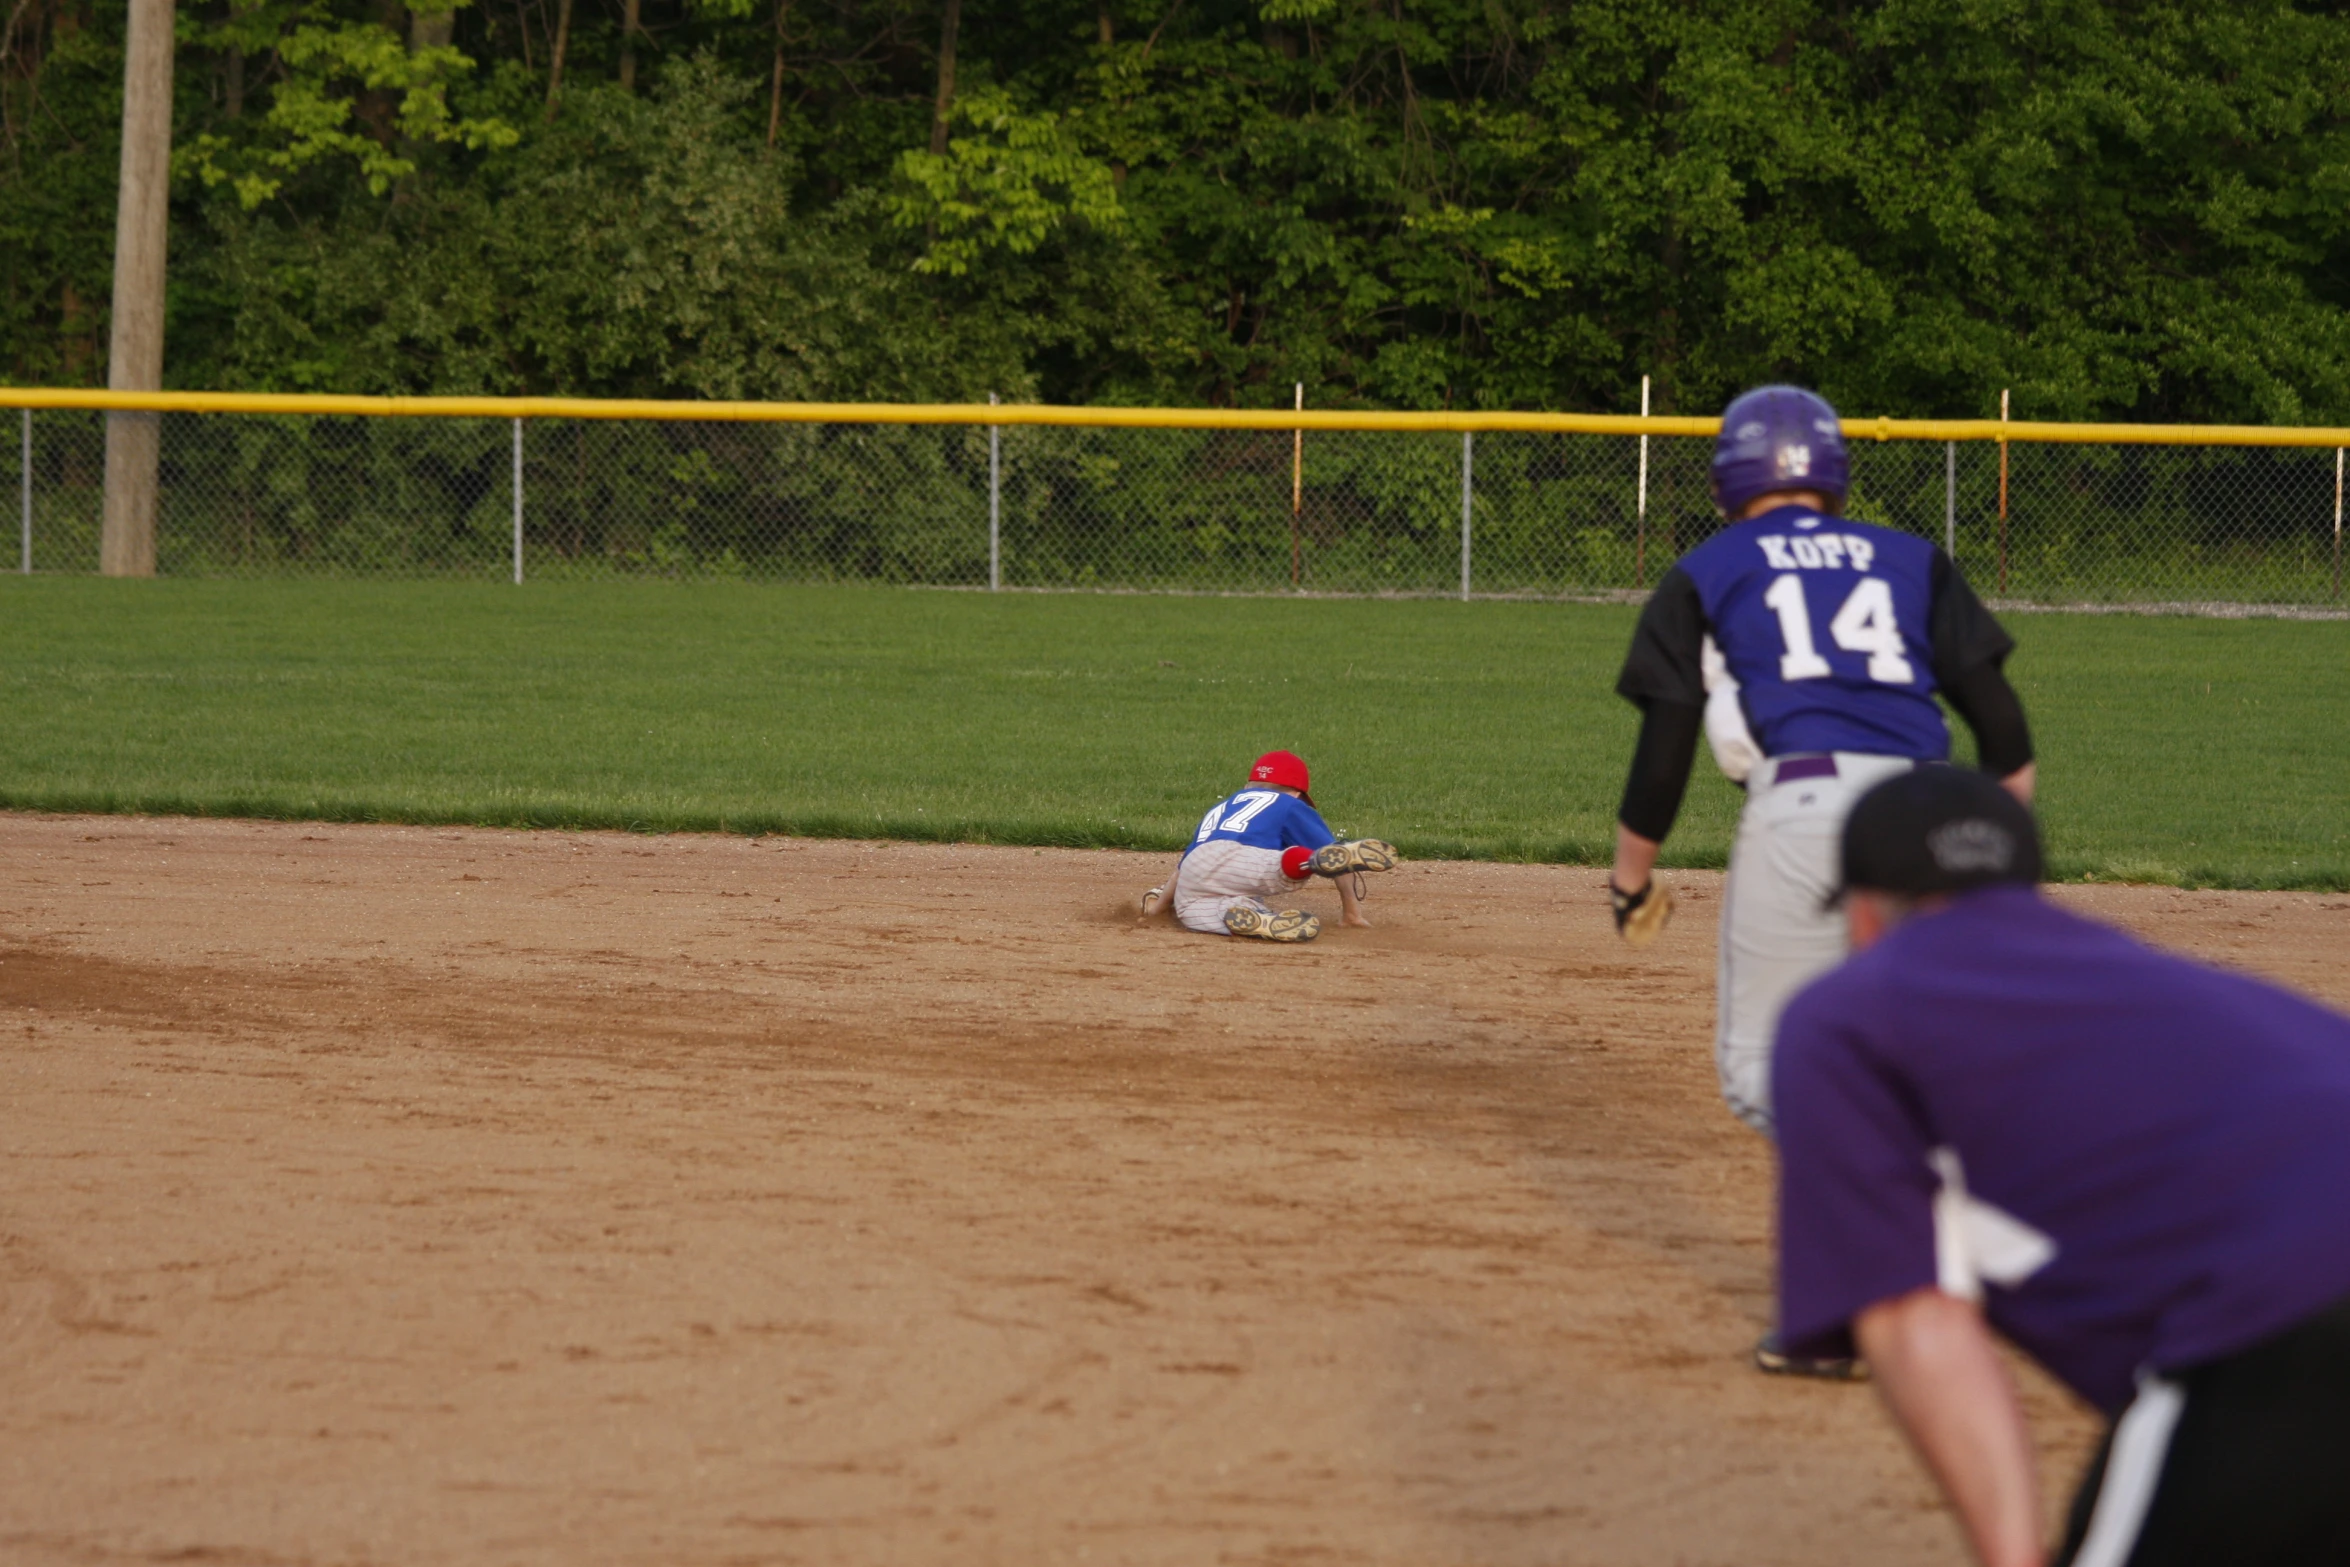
(398, 1194)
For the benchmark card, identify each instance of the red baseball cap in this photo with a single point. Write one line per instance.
(1282, 768)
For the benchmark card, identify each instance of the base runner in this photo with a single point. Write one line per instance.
(1256, 849)
(1810, 649)
(1999, 1115)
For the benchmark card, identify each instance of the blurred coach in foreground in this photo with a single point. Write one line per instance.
(1998, 1114)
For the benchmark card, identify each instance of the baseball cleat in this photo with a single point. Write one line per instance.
(1359, 854)
(1288, 925)
(1770, 1355)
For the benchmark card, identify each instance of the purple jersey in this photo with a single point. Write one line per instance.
(2137, 1162)
(1263, 819)
(1827, 625)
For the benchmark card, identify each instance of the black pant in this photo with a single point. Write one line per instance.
(2258, 1468)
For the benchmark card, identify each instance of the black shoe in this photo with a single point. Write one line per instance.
(1771, 1356)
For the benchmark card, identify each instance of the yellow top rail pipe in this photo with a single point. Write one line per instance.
(1879, 429)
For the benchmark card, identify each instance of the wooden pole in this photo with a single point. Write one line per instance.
(2003, 494)
(134, 360)
(949, 24)
(775, 86)
(1297, 493)
(555, 65)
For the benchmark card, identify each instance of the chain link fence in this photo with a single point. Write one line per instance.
(1044, 507)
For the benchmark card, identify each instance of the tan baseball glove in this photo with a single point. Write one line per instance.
(1641, 916)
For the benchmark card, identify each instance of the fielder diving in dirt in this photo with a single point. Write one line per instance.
(1255, 849)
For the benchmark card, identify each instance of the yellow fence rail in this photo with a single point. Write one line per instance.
(1034, 414)
(1174, 499)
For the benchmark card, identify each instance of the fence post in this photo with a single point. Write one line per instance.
(1640, 548)
(2003, 492)
(27, 477)
(1468, 466)
(1297, 492)
(518, 503)
(1950, 499)
(995, 504)
(2337, 509)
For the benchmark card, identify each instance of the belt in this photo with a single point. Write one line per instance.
(1787, 769)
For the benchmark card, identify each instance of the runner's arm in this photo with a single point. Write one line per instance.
(1970, 658)
(1664, 675)
(1652, 792)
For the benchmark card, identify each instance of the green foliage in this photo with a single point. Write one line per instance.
(1006, 188)
(310, 116)
(2197, 751)
(643, 245)
(2119, 208)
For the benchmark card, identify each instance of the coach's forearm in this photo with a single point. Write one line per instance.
(1940, 1374)
(2019, 783)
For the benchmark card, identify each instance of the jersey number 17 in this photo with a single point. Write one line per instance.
(1244, 807)
(1864, 625)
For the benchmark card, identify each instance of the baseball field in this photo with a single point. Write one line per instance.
(827, 1167)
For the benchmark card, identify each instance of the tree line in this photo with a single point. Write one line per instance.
(2117, 209)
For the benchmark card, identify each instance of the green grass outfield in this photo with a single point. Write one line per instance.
(2200, 751)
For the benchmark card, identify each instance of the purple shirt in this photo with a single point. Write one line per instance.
(2138, 1161)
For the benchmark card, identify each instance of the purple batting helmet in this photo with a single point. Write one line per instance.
(1778, 438)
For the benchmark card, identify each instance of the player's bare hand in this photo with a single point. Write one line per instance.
(1641, 916)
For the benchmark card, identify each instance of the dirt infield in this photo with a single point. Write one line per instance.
(397, 1195)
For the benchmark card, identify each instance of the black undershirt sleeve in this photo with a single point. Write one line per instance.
(1664, 676)
(1666, 661)
(1660, 767)
(1982, 696)
(1970, 652)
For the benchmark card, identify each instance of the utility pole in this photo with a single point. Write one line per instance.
(940, 115)
(142, 227)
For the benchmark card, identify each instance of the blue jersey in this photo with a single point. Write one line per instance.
(2136, 1161)
(1263, 819)
(1826, 624)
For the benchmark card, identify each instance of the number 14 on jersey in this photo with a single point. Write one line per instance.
(1864, 625)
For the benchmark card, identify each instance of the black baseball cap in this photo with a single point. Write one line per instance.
(1938, 829)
